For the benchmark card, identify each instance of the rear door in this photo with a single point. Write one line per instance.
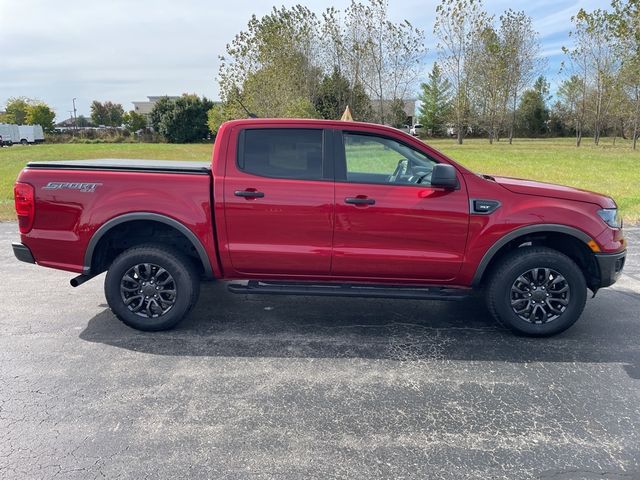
(278, 194)
(390, 224)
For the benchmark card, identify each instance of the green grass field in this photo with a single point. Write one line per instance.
(613, 170)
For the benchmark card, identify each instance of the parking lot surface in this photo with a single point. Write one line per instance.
(311, 388)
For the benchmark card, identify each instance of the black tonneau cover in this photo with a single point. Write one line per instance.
(129, 165)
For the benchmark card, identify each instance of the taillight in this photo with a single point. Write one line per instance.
(25, 205)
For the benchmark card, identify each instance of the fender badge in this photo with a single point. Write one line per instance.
(83, 187)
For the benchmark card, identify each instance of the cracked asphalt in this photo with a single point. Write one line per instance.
(311, 388)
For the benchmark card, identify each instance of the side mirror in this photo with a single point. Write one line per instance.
(444, 176)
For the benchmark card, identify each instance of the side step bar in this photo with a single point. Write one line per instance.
(349, 290)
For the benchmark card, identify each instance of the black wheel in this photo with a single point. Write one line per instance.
(151, 287)
(24, 141)
(536, 291)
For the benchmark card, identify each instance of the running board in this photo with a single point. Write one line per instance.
(349, 290)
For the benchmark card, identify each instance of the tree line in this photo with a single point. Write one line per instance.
(487, 78)
(602, 94)
(293, 62)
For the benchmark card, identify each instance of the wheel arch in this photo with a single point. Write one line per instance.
(110, 227)
(568, 240)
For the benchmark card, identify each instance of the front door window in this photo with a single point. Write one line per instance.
(380, 160)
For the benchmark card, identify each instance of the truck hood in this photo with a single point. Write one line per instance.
(529, 187)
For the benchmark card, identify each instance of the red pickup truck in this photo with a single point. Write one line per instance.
(311, 207)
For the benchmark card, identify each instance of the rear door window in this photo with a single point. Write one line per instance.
(281, 153)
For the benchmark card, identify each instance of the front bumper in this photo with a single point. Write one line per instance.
(610, 265)
(22, 252)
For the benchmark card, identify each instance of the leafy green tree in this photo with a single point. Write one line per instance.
(182, 120)
(532, 111)
(520, 50)
(134, 121)
(383, 56)
(335, 93)
(16, 110)
(108, 114)
(272, 64)
(571, 106)
(41, 114)
(456, 29)
(489, 74)
(115, 114)
(162, 107)
(99, 115)
(277, 65)
(435, 99)
(217, 115)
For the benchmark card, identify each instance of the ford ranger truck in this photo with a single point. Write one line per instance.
(314, 207)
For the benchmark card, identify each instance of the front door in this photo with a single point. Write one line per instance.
(279, 203)
(390, 224)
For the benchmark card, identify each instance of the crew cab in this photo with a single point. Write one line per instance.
(313, 207)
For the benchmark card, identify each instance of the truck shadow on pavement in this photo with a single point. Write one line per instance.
(223, 324)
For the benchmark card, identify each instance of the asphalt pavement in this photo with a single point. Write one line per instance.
(311, 388)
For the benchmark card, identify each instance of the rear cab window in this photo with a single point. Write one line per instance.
(289, 153)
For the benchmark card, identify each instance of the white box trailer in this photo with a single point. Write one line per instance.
(38, 133)
(15, 133)
(30, 134)
(10, 134)
(24, 134)
(27, 134)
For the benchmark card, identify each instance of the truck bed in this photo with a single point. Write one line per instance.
(129, 165)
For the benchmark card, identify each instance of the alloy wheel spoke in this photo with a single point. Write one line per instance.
(523, 279)
(547, 275)
(130, 279)
(130, 300)
(555, 310)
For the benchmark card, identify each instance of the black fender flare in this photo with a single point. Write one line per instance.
(155, 217)
(518, 232)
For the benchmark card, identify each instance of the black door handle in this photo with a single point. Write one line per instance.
(248, 194)
(360, 201)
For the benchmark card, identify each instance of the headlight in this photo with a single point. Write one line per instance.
(611, 217)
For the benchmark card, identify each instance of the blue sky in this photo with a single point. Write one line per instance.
(124, 50)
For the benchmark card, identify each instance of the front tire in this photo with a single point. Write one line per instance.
(536, 291)
(151, 287)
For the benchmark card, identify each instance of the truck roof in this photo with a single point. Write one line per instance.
(309, 122)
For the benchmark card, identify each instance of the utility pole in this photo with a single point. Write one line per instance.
(75, 117)
(71, 116)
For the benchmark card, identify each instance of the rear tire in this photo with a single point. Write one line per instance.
(536, 291)
(151, 287)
